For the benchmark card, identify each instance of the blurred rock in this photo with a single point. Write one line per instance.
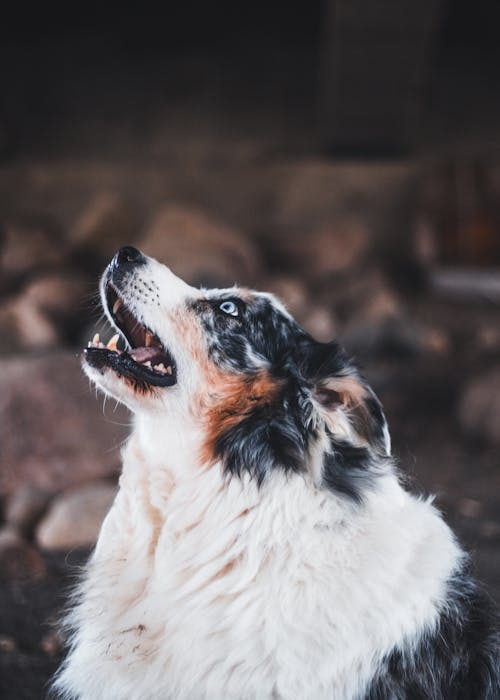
(75, 517)
(18, 559)
(315, 190)
(53, 433)
(469, 507)
(488, 338)
(63, 300)
(200, 249)
(290, 290)
(30, 243)
(363, 295)
(52, 643)
(23, 326)
(316, 318)
(58, 295)
(339, 246)
(7, 644)
(385, 337)
(106, 224)
(319, 322)
(379, 305)
(479, 407)
(490, 529)
(435, 340)
(25, 507)
(39, 317)
(375, 321)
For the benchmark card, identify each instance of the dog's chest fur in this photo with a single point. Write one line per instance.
(206, 589)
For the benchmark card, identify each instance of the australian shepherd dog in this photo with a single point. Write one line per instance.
(261, 545)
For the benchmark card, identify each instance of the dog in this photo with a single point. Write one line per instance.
(261, 544)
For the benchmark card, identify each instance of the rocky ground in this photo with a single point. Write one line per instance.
(334, 241)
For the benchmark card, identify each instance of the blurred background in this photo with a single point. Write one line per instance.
(344, 154)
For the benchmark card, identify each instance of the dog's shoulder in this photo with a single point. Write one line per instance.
(458, 660)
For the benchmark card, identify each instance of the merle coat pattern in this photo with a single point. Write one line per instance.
(262, 544)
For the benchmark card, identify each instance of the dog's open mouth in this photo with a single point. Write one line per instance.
(145, 360)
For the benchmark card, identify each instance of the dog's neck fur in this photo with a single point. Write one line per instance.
(199, 585)
(180, 437)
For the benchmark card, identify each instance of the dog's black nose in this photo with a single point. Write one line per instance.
(128, 256)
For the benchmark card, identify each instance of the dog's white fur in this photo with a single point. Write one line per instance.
(206, 589)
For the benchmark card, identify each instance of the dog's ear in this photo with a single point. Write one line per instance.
(356, 446)
(350, 408)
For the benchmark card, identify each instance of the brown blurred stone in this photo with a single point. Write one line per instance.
(479, 407)
(58, 295)
(23, 326)
(319, 322)
(488, 338)
(7, 644)
(316, 318)
(52, 643)
(18, 559)
(490, 529)
(316, 190)
(106, 224)
(379, 304)
(332, 248)
(290, 290)
(25, 507)
(75, 517)
(363, 295)
(469, 507)
(31, 243)
(435, 341)
(200, 249)
(41, 316)
(53, 433)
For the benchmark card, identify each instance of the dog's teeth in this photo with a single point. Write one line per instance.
(117, 305)
(101, 345)
(148, 364)
(160, 367)
(169, 370)
(95, 339)
(112, 343)
(149, 338)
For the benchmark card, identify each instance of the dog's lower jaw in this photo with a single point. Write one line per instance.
(202, 588)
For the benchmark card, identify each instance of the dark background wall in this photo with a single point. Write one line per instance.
(358, 77)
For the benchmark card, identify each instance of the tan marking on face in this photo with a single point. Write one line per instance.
(231, 399)
(225, 398)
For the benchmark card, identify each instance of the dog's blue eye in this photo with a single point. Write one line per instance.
(229, 307)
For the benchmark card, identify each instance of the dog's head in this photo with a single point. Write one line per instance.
(266, 396)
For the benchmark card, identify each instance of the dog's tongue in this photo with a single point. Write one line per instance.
(141, 355)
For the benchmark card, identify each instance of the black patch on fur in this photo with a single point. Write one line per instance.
(458, 661)
(319, 361)
(349, 470)
(260, 327)
(278, 435)
(270, 436)
(377, 421)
